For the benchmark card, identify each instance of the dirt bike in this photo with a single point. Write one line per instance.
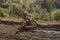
(27, 25)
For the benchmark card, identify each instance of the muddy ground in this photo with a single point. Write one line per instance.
(7, 32)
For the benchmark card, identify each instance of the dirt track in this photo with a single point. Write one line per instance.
(7, 33)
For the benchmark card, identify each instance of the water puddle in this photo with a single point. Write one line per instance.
(47, 31)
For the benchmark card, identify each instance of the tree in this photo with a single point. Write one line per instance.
(48, 4)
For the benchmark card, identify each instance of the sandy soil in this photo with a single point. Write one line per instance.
(7, 33)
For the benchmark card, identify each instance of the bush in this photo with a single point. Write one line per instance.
(2, 15)
(56, 15)
(4, 12)
(1, 12)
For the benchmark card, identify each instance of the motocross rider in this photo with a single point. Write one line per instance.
(26, 16)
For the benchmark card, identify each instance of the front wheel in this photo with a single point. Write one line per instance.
(34, 25)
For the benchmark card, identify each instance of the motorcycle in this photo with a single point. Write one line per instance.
(27, 25)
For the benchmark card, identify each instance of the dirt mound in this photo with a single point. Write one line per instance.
(55, 27)
(9, 22)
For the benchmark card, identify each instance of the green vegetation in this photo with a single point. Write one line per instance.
(56, 15)
(41, 9)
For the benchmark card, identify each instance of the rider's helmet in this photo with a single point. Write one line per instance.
(25, 12)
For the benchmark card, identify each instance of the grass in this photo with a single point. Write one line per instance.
(10, 19)
(48, 22)
(38, 21)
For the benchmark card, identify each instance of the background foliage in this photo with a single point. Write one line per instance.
(41, 9)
